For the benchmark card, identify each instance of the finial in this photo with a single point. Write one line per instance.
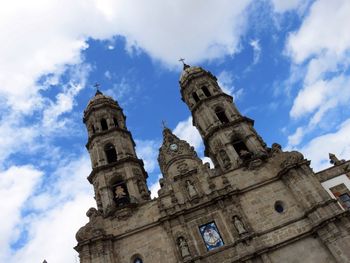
(334, 160)
(185, 66)
(164, 124)
(97, 86)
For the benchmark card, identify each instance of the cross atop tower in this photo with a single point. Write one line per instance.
(185, 66)
(97, 86)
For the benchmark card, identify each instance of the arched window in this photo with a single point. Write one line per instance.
(138, 260)
(195, 96)
(111, 154)
(206, 91)
(115, 121)
(220, 113)
(104, 125)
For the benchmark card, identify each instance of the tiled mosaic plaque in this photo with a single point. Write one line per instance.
(211, 236)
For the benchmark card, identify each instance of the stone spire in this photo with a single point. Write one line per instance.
(229, 138)
(118, 176)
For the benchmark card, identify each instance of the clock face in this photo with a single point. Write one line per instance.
(173, 147)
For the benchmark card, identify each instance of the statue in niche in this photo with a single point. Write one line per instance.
(183, 246)
(191, 189)
(225, 159)
(239, 225)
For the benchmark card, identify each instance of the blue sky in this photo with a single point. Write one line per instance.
(286, 63)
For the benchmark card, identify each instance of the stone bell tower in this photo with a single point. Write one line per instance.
(229, 137)
(118, 176)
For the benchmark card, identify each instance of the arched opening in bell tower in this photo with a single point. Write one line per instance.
(241, 149)
(195, 96)
(111, 153)
(220, 113)
(104, 125)
(120, 192)
(206, 91)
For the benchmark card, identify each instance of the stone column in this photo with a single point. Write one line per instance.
(337, 241)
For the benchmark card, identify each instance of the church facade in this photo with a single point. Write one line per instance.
(259, 204)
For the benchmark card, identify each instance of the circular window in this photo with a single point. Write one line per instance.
(279, 207)
(138, 260)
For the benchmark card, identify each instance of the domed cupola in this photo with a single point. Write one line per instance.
(103, 113)
(176, 156)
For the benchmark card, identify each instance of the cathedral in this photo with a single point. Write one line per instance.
(259, 204)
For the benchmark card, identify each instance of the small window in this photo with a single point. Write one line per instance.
(104, 125)
(195, 96)
(345, 199)
(279, 207)
(111, 154)
(220, 113)
(115, 121)
(206, 91)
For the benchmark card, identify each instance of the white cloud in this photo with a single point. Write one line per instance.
(42, 37)
(186, 131)
(295, 138)
(16, 185)
(323, 56)
(147, 150)
(255, 44)
(281, 6)
(322, 32)
(337, 142)
(55, 212)
(155, 187)
(225, 81)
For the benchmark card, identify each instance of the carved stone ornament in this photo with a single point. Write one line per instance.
(94, 228)
(276, 148)
(225, 159)
(182, 167)
(293, 157)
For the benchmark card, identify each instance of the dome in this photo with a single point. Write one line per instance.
(190, 72)
(99, 99)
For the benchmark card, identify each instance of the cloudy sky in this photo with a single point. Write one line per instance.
(286, 63)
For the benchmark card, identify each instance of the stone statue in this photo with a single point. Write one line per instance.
(191, 189)
(239, 225)
(184, 250)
